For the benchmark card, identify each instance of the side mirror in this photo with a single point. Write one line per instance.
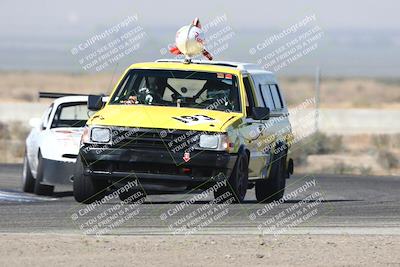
(260, 113)
(95, 102)
(35, 122)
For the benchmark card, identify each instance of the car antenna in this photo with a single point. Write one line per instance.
(112, 77)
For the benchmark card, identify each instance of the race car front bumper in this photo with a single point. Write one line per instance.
(157, 167)
(57, 172)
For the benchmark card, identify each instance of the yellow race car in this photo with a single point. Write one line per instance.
(173, 126)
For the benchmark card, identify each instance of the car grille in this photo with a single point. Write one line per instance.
(174, 141)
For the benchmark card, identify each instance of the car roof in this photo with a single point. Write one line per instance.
(202, 65)
(229, 64)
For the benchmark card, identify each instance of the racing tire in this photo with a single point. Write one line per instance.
(41, 189)
(273, 188)
(86, 189)
(237, 183)
(28, 181)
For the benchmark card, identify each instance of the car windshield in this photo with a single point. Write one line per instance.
(217, 91)
(71, 115)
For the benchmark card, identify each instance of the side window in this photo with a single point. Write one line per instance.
(127, 83)
(276, 96)
(249, 96)
(267, 96)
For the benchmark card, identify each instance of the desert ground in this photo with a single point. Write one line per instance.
(202, 250)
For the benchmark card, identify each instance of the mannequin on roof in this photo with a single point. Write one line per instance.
(189, 41)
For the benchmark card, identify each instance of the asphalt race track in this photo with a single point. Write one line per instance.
(327, 204)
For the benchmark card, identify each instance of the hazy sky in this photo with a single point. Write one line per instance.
(362, 37)
(82, 16)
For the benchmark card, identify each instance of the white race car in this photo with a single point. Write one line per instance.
(53, 144)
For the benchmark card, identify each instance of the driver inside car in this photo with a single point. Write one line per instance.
(219, 94)
(146, 94)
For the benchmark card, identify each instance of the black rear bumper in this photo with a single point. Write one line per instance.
(157, 167)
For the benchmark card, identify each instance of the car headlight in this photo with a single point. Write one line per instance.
(209, 141)
(100, 135)
(218, 142)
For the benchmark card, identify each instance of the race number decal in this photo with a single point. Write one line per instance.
(193, 120)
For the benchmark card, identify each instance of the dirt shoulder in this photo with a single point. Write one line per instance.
(204, 250)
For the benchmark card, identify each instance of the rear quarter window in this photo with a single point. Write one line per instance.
(267, 96)
(276, 96)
